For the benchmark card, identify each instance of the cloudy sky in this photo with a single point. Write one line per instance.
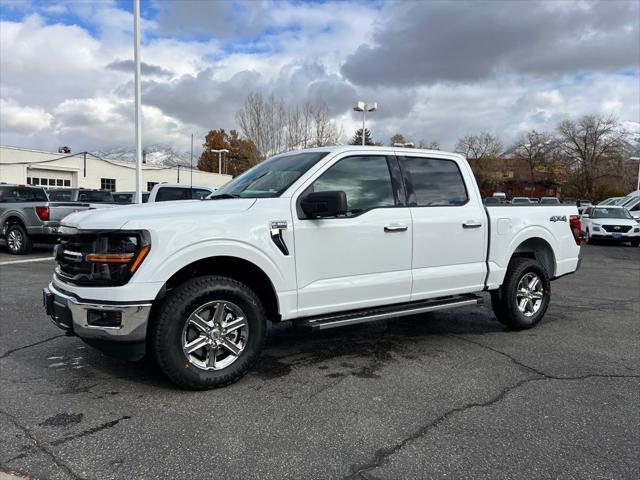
(438, 70)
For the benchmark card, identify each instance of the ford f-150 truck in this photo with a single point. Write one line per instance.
(321, 237)
(27, 216)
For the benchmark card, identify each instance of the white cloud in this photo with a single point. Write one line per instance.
(22, 119)
(64, 69)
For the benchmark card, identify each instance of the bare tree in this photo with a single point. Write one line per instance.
(593, 146)
(484, 154)
(273, 127)
(536, 149)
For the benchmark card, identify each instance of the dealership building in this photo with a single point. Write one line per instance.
(85, 170)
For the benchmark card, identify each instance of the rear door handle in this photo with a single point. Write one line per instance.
(396, 228)
(471, 224)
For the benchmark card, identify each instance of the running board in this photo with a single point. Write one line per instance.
(323, 322)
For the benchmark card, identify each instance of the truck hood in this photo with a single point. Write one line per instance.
(116, 218)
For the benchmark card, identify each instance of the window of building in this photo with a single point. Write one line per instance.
(108, 184)
(28, 180)
(44, 181)
(435, 182)
(59, 182)
(365, 180)
(35, 181)
(150, 185)
(67, 183)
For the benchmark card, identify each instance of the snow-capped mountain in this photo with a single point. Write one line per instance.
(633, 130)
(160, 155)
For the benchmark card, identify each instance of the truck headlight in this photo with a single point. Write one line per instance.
(106, 258)
(596, 227)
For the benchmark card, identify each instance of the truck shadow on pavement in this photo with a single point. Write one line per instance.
(358, 350)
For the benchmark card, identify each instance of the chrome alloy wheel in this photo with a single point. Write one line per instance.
(15, 240)
(530, 294)
(215, 335)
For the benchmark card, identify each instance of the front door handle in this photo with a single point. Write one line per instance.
(471, 224)
(396, 228)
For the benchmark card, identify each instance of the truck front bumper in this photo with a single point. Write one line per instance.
(111, 327)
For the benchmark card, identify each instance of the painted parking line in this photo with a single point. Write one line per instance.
(29, 260)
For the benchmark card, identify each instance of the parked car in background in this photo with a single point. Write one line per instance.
(323, 238)
(534, 200)
(549, 201)
(164, 192)
(520, 201)
(583, 205)
(632, 203)
(84, 195)
(128, 197)
(27, 216)
(611, 201)
(610, 222)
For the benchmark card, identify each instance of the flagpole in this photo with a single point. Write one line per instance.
(138, 113)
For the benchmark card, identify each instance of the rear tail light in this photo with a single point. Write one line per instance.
(43, 213)
(574, 224)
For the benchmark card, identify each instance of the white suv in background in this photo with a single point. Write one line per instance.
(610, 222)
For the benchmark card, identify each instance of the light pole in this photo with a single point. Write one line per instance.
(638, 159)
(138, 113)
(364, 108)
(220, 152)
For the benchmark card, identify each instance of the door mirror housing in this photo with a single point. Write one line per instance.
(324, 204)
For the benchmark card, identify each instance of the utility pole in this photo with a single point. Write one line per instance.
(191, 173)
(364, 108)
(138, 113)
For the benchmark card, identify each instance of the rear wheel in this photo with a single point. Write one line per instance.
(523, 298)
(18, 242)
(208, 333)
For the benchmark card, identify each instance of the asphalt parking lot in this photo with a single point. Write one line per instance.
(444, 395)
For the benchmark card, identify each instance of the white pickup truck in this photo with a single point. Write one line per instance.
(322, 237)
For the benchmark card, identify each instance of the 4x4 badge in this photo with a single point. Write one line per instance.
(558, 218)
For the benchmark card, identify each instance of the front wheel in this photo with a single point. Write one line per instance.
(208, 333)
(635, 243)
(524, 296)
(587, 237)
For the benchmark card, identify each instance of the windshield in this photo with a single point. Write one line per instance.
(549, 201)
(271, 177)
(610, 213)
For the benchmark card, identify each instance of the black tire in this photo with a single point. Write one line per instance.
(587, 237)
(505, 300)
(635, 243)
(166, 331)
(18, 241)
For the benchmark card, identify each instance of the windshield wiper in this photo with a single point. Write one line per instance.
(222, 196)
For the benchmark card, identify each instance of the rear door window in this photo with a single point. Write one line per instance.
(199, 193)
(433, 182)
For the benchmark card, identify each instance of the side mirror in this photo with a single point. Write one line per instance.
(324, 204)
(585, 215)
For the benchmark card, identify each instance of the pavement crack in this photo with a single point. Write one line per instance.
(13, 350)
(383, 454)
(41, 447)
(90, 431)
(540, 372)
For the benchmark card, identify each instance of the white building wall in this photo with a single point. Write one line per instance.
(17, 165)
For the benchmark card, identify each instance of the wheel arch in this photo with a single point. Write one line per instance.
(236, 268)
(538, 249)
